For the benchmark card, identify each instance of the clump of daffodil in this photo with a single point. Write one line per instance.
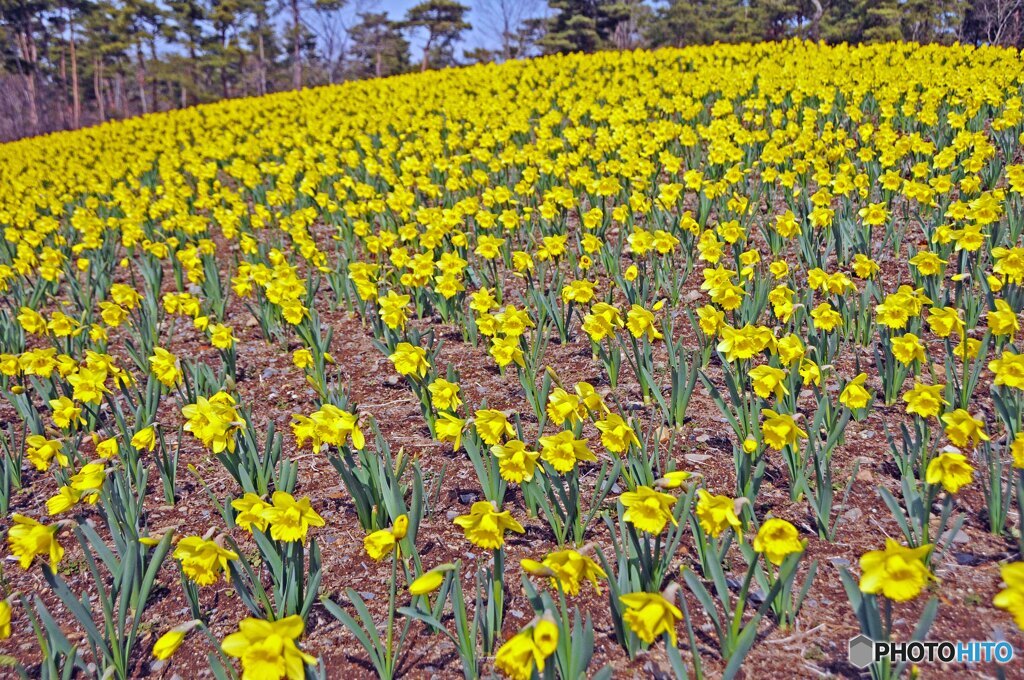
(268, 649)
(526, 652)
(214, 421)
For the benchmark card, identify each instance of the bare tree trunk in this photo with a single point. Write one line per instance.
(154, 86)
(815, 32)
(191, 72)
(28, 52)
(243, 81)
(380, 62)
(426, 56)
(119, 99)
(224, 66)
(97, 88)
(263, 61)
(62, 77)
(296, 51)
(33, 107)
(140, 76)
(76, 101)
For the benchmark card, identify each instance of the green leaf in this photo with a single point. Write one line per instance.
(429, 620)
(698, 589)
(742, 648)
(372, 648)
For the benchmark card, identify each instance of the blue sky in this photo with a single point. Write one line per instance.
(481, 35)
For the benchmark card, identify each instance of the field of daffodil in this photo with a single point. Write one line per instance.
(688, 363)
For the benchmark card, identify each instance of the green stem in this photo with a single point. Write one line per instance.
(741, 601)
(391, 611)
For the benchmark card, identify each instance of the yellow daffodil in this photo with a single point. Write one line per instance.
(777, 538)
(516, 463)
(717, 513)
(444, 395)
(203, 561)
(649, 615)
(963, 429)
(854, 396)
(563, 451)
(380, 544)
(925, 400)
(950, 469)
(29, 539)
(568, 569)
(897, 572)
(492, 426)
(485, 526)
(410, 360)
(267, 649)
(616, 434)
(1011, 598)
(290, 519)
(648, 510)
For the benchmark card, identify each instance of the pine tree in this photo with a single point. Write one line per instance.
(444, 21)
(583, 25)
(186, 28)
(378, 48)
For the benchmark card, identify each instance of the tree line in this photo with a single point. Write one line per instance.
(69, 63)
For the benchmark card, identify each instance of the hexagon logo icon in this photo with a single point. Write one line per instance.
(862, 651)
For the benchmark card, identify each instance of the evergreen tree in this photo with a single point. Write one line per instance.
(186, 28)
(444, 21)
(582, 25)
(378, 48)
